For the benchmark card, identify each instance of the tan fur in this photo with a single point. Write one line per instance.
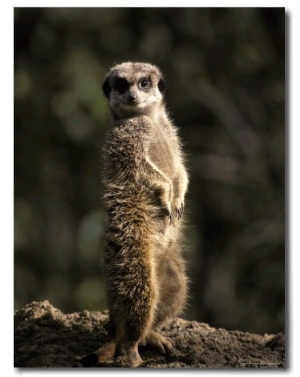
(145, 182)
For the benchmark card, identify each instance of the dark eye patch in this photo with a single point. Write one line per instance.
(161, 85)
(121, 85)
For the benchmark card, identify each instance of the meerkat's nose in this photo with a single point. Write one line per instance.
(132, 97)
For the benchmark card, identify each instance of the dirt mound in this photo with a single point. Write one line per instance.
(46, 337)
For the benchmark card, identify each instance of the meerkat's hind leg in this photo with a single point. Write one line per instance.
(132, 353)
(163, 344)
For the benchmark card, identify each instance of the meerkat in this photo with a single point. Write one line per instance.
(145, 182)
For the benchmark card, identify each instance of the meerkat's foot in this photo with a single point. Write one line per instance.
(164, 345)
(102, 355)
(134, 359)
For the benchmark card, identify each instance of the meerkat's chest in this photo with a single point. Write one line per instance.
(162, 152)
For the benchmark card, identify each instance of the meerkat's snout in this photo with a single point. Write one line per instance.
(132, 97)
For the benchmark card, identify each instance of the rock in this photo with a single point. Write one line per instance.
(46, 337)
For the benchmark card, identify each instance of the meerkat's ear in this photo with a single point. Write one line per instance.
(106, 87)
(161, 85)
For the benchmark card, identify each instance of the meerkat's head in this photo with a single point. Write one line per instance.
(133, 89)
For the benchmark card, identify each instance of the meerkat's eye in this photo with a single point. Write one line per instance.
(121, 85)
(144, 83)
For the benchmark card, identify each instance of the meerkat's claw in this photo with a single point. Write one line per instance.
(167, 345)
(179, 211)
(163, 344)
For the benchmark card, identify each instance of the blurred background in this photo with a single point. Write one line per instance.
(225, 75)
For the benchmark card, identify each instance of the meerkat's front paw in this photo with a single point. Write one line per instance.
(179, 208)
(166, 211)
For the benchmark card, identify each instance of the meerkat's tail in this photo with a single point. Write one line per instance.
(102, 355)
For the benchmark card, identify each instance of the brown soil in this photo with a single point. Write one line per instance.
(46, 337)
